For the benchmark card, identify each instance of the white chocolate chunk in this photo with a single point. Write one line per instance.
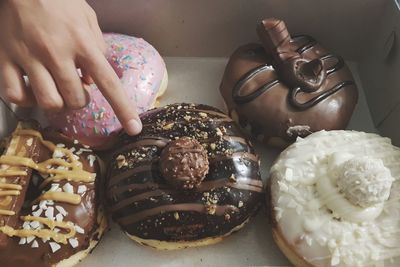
(289, 174)
(29, 239)
(29, 142)
(68, 188)
(35, 244)
(58, 154)
(54, 246)
(79, 230)
(86, 150)
(322, 240)
(59, 217)
(49, 213)
(22, 241)
(335, 261)
(62, 168)
(81, 189)
(26, 225)
(278, 212)
(73, 242)
(283, 187)
(335, 257)
(91, 159)
(34, 224)
(54, 187)
(43, 204)
(309, 240)
(61, 210)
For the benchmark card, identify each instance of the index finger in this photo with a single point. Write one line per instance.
(97, 66)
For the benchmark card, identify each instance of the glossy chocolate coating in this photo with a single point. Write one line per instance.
(147, 206)
(263, 100)
(84, 214)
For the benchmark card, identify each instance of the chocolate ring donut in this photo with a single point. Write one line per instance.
(287, 87)
(188, 179)
(50, 211)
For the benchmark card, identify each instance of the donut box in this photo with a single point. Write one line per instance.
(196, 38)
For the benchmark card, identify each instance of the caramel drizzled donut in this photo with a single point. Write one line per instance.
(213, 190)
(287, 87)
(50, 213)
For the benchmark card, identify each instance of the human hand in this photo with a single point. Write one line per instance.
(47, 40)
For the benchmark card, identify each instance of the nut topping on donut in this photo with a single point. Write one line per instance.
(190, 178)
(364, 181)
(184, 163)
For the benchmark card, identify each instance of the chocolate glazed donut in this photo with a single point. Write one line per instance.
(287, 87)
(188, 179)
(50, 210)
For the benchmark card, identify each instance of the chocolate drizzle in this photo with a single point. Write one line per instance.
(310, 43)
(146, 205)
(256, 82)
(243, 99)
(315, 100)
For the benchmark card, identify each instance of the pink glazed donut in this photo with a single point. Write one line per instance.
(144, 78)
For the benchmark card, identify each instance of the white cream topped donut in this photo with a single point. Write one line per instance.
(336, 200)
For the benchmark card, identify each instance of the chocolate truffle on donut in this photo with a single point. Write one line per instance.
(50, 211)
(189, 179)
(335, 200)
(287, 87)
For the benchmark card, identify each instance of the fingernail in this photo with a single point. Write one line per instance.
(133, 127)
